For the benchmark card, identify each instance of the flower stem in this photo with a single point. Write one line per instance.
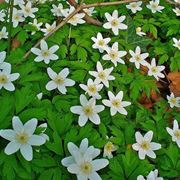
(11, 5)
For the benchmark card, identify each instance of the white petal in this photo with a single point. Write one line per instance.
(26, 151)
(12, 147)
(76, 109)
(95, 119)
(155, 146)
(9, 86)
(148, 136)
(151, 154)
(139, 137)
(95, 176)
(8, 134)
(30, 126)
(64, 73)
(83, 100)
(51, 73)
(82, 120)
(51, 85)
(67, 161)
(36, 140)
(43, 45)
(141, 154)
(17, 124)
(99, 164)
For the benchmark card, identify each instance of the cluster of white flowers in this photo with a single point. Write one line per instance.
(81, 162)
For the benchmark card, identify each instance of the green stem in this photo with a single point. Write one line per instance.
(11, 4)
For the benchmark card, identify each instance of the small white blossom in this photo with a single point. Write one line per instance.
(82, 163)
(138, 58)
(27, 10)
(58, 10)
(153, 175)
(2, 16)
(176, 43)
(154, 6)
(109, 148)
(4, 65)
(173, 101)
(139, 32)
(6, 78)
(59, 81)
(77, 18)
(87, 110)
(177, 11)
(17, 2)
(116, 104)
(17, 17)
(3, 33)
(144, 146)
(49, 28)
(134, 6)
(175, 132)
(115, 22)
(22, 138)
(114, 55)
(89, 11)
(100, 43)
(92, 88)
(155, 70)
(39, 95)
(102, 75)
(36, 25)
(44, 53)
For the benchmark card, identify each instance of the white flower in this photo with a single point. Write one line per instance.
(27, 10)
(144, 146)
(178, 1)
(108, 149)
(139, 32)
(82, 149)
(87, 110)
(3, 33)
(153, 175)
(49, 28)
(2, 16)
(155, 70)
(92, 88)
(77, 18)
(154, 6)
(100, 43)
(102, 75)
(36, 25)
(6, 78)
(114, 55)
(59, 81)
(44, 53)
(115, 22)
(175, 132)
(17, 17)
(173, 101)
(22, 138)
(58, 10)
(89, 11)
(83, 164)
(116, 104)
(134, 6)
(177, 11)
(176, 43)
(138, 58)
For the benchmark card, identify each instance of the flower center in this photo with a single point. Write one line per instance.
(74, 18)
(178, 44)
(59, 80)
(27, 9)
(133, 5)
(22, 138)
(102, 75)
(92, 89)
(145, 145)
(113, 54)
(154, 6)
(178, 11)
(109, 147)
(45, 54)
(173, 100)
(116, 103)
(138, 57)
(16, 17)
(177, 133)
(86, 167)
(88, 110)
(138, 29)
(154, 69)
(3, 79)
(101, 42)
(114, 22)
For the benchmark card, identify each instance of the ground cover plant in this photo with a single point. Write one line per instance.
(89, 90)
